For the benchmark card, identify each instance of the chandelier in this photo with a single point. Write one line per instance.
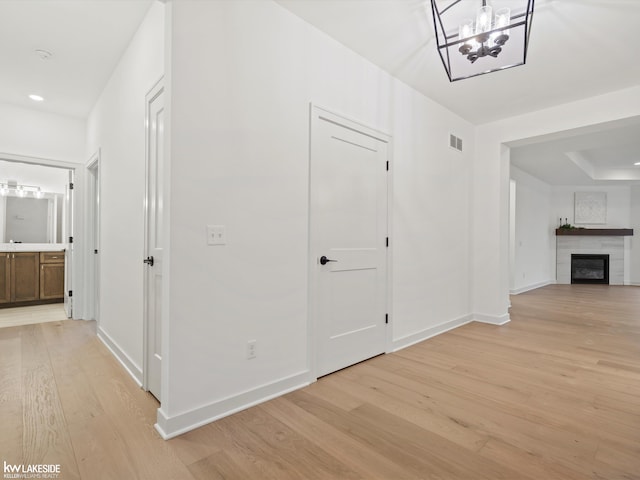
(485, 43)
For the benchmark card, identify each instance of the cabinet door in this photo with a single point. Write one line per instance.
(5, 277)
(25, 280)
(51, 280)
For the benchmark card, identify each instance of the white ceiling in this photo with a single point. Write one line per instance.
(578, 49)
(599, 155)
(86, 37)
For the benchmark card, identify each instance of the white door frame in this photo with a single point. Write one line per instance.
(156, 90)
(93, 237)
(312, 346)
(75, 169)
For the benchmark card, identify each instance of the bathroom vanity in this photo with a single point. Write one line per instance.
(29, 276)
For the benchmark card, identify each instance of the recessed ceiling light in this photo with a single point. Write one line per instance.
(36, 98)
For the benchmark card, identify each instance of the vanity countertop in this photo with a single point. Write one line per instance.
(32, 247)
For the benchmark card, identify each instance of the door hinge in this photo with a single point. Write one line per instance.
(386, 318)
(71, 186)
(387, 241)
(387, 165)
(71, 293)
(70, 239)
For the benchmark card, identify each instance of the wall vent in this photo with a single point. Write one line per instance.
(455, 142)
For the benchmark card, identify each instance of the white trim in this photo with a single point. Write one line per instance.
(124, 359)
(517, 291)
(427, 333)
(169, 427)
(48, 162)
(491, 319)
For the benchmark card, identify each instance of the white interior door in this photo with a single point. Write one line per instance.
(68, 254)
(348, 240)
(94, 244)
(154, 239)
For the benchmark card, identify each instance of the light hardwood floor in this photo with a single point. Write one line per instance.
(15, 316)
(555, 394)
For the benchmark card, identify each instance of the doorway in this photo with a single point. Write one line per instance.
(348, 239)
(36, 238)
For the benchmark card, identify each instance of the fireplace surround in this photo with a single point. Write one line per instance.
(614, 246)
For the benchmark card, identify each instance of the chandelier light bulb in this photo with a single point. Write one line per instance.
(503, 17)
(483, 20)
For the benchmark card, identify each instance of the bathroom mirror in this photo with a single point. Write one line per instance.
(30, 219)
(32, 203)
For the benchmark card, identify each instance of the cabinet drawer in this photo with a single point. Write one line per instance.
(51, 257)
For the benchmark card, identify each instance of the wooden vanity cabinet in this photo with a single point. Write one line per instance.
(51, 275)
(5, 278)
(25, 280)
(31, 278)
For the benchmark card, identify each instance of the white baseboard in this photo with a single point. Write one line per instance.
(533, 286)
(422, 335)
(128, 364)
(491, 319)
(169, 427)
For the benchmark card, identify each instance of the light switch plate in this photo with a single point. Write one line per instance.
(216, 235)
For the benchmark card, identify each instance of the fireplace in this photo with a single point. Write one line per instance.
(590, 268)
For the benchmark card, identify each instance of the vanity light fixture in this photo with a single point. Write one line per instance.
(12, 188)
(491, 42)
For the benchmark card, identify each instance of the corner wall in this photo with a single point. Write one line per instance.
(241, 80)
(116, 126)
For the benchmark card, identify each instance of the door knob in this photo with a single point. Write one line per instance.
(149, 261)
(324, 260)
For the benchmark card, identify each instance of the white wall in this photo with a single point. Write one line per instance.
(50, 180)
(241, 79)
(618, 205)
(534, 240)
(491, 185)
(116, 126)
(634, 222)
(34, 133)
